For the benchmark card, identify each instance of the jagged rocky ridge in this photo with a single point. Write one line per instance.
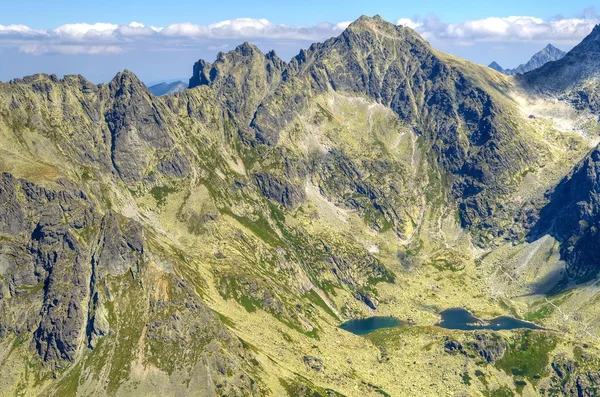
(540, 58)
(574, 77)
(473, 140)
(572, 216)
(140, 235)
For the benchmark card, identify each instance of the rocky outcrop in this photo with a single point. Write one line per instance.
(49, 265)
(470, 135)
(137, 128)
(378, 201)
(452, 347)
(279, 190)
(242, 78)
(120, 246)
(572, 216)
(573, 78)
(45, 252)
(489, 346)
(570, 380)
(314, 363)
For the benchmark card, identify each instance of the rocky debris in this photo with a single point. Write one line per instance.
(572, 381)
(367, 298)
(185, 332)
(451, 346)
(314, 363)
(279, 190)
(488, 345)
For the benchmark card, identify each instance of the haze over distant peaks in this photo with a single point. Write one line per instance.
(540, 58)
(161, 89)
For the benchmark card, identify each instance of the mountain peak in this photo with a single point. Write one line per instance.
(494, 65)
(375, 23)
(127, 81)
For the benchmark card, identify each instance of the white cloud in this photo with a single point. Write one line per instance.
(108, 38)
(69, 49)
(408, 22)
(507, 29)
(84, 30)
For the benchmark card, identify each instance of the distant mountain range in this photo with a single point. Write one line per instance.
(548, 54)
(168, 88)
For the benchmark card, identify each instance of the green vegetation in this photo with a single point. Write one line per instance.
(314, 297)
(504, 391)
(528, 355)
(540, 313)
(160, 193)
(466, 379)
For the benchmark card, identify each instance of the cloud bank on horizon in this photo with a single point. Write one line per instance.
(108, 38)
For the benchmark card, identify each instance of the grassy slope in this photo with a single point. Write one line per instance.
(251, 261)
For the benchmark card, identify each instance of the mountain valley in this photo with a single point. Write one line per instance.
(211, 241)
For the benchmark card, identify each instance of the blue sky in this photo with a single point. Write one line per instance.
(43, 13)
(160, 40)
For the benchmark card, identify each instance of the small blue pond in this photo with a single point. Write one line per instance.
(364, 326)
(461, 319)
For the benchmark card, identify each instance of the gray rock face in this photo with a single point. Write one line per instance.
(489, 345)
(452, 347)
(344, 181)
(137, 128)
(52, 257)
(46, 266)
(574, 77)
(11, 215)
(242, 77)
(572, 216)
(572, 381)
(279, 190)
(167, 88)
(120, 246)
(459, 120)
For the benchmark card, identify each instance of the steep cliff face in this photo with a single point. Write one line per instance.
(77, 280)
(211, 241)
(473, 137)
(574, 77)
(241, 78)
(572, 216)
